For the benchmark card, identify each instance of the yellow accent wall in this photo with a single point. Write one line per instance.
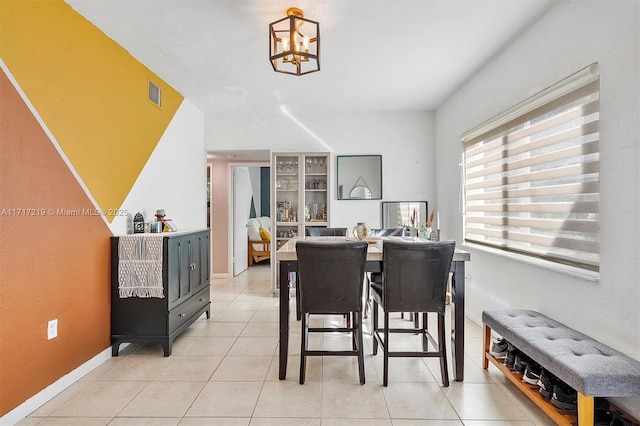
(91, 93)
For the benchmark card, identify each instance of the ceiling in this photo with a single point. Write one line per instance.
(377, 55)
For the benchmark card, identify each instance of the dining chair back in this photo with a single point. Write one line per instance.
(315, 231)
(330, 276)
(415, 275)
(414, 279)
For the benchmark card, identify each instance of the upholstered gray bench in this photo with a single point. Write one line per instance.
(590, 367)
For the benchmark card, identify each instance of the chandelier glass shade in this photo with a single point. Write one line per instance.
(294, 44)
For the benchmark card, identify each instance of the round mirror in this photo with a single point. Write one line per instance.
(360, 192)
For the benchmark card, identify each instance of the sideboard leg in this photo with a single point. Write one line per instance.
(166, 346)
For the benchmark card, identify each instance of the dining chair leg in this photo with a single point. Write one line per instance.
(374, 327)
(298, 310)
(303, 347)
(354, 335)
(442, 348)
(425, 340)
(358, 318)
(367, 296)
(385, 349)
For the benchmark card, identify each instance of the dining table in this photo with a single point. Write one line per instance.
(287, 266)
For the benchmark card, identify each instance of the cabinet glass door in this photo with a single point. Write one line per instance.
(287, 178)
(315, 190)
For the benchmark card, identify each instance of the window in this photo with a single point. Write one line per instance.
(532, 175)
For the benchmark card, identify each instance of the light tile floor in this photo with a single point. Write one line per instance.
(224, 371)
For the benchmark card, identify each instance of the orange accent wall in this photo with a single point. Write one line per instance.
(51, 265)
(91, 93)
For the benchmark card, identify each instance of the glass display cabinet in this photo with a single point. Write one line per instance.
(300, 187)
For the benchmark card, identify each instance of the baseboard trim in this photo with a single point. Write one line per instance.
(221, 275)
(42, 397)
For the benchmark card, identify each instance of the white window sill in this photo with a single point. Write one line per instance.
(556, 267)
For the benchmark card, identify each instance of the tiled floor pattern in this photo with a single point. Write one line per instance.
(224, 371)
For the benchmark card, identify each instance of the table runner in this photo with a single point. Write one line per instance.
(140, 266)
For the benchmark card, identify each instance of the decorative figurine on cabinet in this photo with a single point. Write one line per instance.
(138, 223)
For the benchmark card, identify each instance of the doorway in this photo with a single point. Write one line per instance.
(223, 225)
(250, 189)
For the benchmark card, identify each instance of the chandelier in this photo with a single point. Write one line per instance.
(294, 44)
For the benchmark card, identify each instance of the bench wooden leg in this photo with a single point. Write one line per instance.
(585, 410)
(486, 345)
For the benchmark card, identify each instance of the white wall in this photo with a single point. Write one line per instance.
(174, 178)
(569, 37)
(404, 139)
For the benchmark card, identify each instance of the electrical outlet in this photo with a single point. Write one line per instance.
(52, 329)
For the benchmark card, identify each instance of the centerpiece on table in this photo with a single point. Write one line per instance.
(430, 233)
(362, 231)
(413, 230)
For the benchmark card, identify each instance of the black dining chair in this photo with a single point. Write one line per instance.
(315, 231)
(330, 282)
(414, 279)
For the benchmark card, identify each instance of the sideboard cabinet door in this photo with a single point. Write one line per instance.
(179, 250)
(200, 260)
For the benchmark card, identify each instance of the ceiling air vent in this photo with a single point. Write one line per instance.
(155, 94)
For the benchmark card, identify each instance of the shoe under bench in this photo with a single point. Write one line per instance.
(588, 366)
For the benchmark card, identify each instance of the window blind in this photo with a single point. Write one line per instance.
(532, 175)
